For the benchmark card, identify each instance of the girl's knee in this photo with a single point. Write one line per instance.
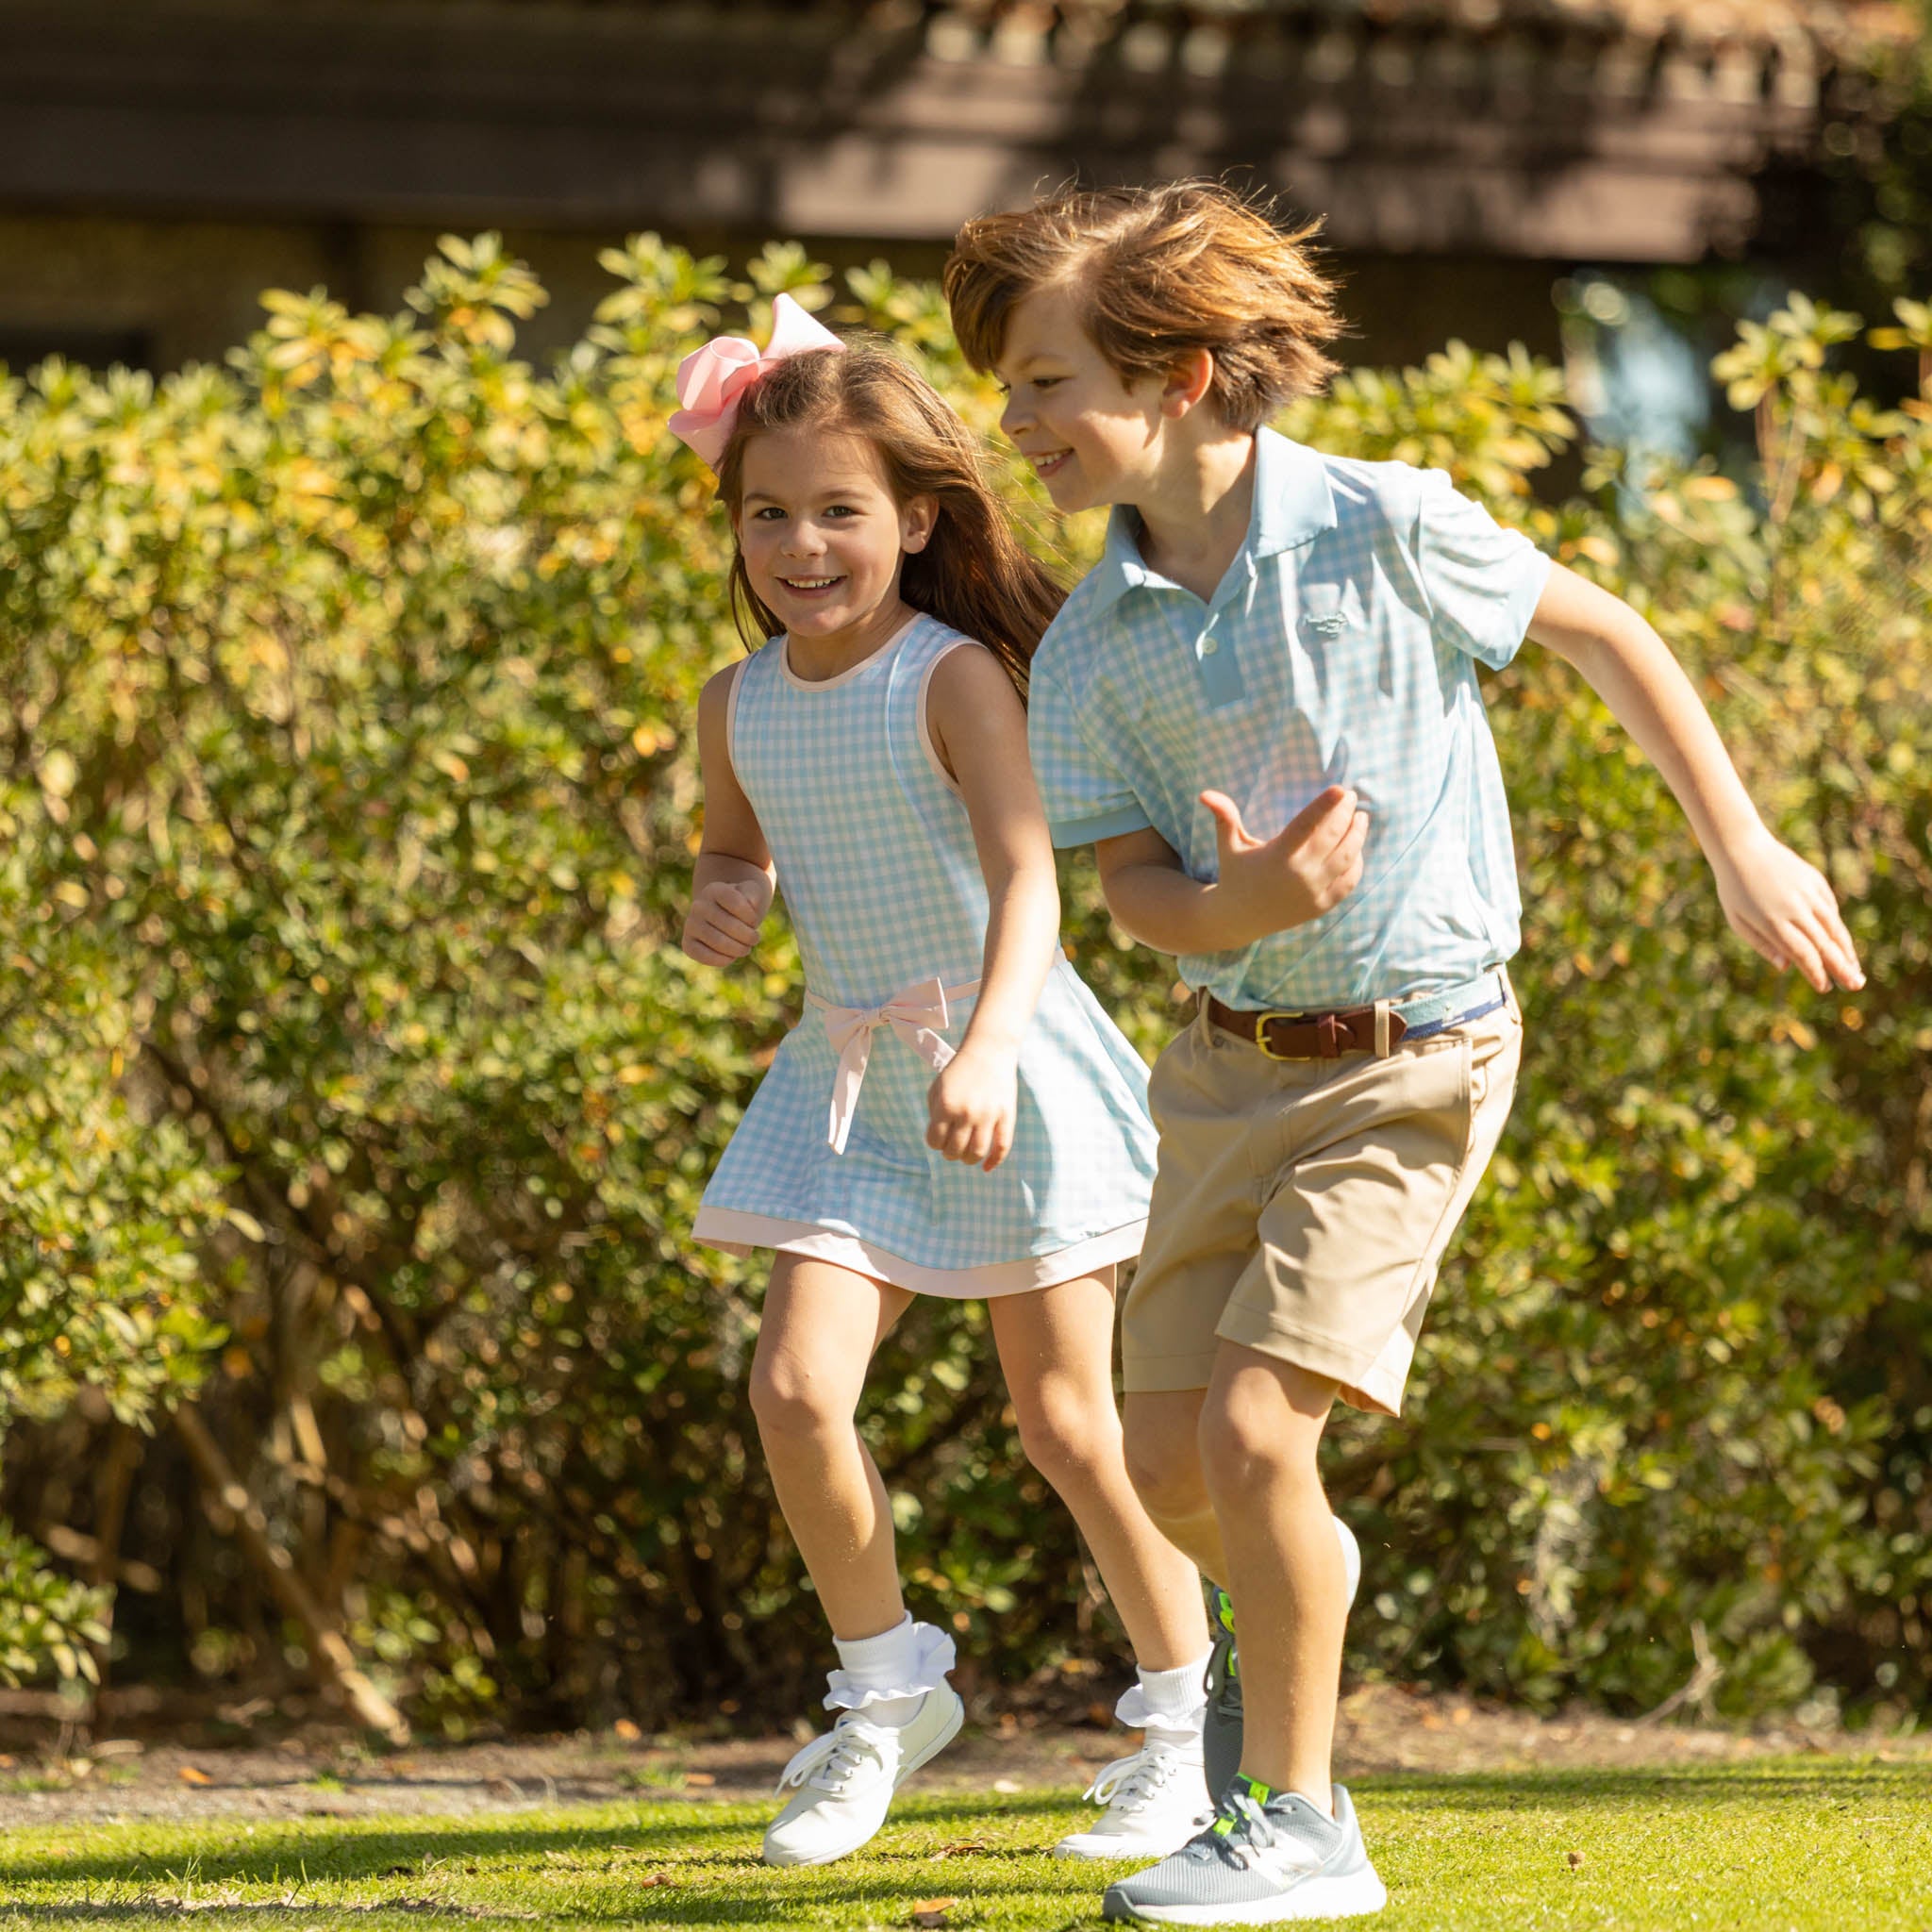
(789, 1399)
(1063, 1438)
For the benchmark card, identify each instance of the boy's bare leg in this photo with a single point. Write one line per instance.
(1261, 1427)
(815, 1343)
(1163, 1437)
(1057, 1349)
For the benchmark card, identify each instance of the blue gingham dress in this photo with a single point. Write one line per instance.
(879, 874)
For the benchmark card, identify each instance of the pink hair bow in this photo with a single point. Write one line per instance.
(711, 381)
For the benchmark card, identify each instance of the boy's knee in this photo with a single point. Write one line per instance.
(1241, 1447)
(1165, 1471)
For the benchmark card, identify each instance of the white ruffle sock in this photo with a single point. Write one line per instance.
(885, 1676)
(897, 1711)
(1169, 1706)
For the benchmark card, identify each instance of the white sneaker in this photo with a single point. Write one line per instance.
(1156, 1801)
(847, 1779)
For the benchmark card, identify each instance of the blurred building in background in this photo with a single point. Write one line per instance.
(162, 162)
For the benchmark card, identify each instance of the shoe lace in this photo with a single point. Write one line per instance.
(828, 1761)
(1128, 1783)
(1255, 1833)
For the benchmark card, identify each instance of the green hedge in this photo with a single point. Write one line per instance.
(353, 1089)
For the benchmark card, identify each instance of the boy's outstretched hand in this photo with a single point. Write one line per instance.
(1312, 864)
(1782, 907)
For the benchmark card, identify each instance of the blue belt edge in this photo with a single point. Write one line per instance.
(1429, 1028)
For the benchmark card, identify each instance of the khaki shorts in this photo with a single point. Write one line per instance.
(1301, 1207)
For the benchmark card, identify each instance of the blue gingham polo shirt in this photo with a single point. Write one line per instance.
(1341, 647)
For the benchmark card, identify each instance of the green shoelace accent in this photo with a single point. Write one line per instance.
(1223, 1615)
(1251, 1788)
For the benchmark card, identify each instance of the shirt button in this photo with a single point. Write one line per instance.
(1209, 644)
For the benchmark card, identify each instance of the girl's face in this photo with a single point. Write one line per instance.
(822, 536)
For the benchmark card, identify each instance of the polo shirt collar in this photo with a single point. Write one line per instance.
(1292, 501)
(1293, 506)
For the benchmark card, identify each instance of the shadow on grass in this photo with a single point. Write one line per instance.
(878, 1897)
(700, 1838)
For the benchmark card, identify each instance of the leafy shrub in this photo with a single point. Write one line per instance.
(353, 1089)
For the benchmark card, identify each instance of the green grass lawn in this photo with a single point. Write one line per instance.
(1841, 1845)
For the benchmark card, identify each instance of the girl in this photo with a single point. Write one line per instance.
(953, 1115)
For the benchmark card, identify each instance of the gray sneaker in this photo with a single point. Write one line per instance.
(1268, 1857)
(1221, 1737)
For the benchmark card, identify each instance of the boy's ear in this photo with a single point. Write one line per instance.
(1188, 383)
(917, 521)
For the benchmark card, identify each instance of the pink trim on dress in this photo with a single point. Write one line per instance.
(926, 738)
(739, 1233)
(851, 670)
(731, 716)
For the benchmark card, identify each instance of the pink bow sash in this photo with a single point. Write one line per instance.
(918, 1014)
(711, 381)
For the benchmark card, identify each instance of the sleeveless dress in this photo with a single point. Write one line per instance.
(877, 864)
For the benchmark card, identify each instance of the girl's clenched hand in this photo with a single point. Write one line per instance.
(973, 1104)
(724, 921)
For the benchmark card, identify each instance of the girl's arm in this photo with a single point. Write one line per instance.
(733, 880)
(979, 730)
(1771, 897)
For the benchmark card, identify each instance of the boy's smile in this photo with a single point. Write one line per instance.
(1089, 436)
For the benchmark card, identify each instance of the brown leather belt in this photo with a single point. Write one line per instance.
(1311, 1036)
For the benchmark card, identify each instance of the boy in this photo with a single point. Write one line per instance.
(1262, 708)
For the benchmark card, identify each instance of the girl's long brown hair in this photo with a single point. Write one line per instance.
(973, 574)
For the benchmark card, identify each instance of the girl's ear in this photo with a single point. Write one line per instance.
(918, 519)
(1188, 383)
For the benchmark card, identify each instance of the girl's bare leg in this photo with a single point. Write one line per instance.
(1055, 1346)
(821, 1325)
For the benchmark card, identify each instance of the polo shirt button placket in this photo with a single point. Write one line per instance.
(1219, 670)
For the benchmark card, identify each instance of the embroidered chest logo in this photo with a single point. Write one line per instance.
(1325, 608)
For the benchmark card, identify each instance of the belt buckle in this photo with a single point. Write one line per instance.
(1329, 1032)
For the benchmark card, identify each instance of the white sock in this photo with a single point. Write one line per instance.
(882, 1662)
(1176, 1706)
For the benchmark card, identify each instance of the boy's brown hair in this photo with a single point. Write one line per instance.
(1161, 272)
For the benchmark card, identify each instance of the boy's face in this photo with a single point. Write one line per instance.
(1092, 437)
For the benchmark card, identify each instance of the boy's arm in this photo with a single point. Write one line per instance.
(1261, 886)
(733, 880)
(979, 731)
(1776, 901)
